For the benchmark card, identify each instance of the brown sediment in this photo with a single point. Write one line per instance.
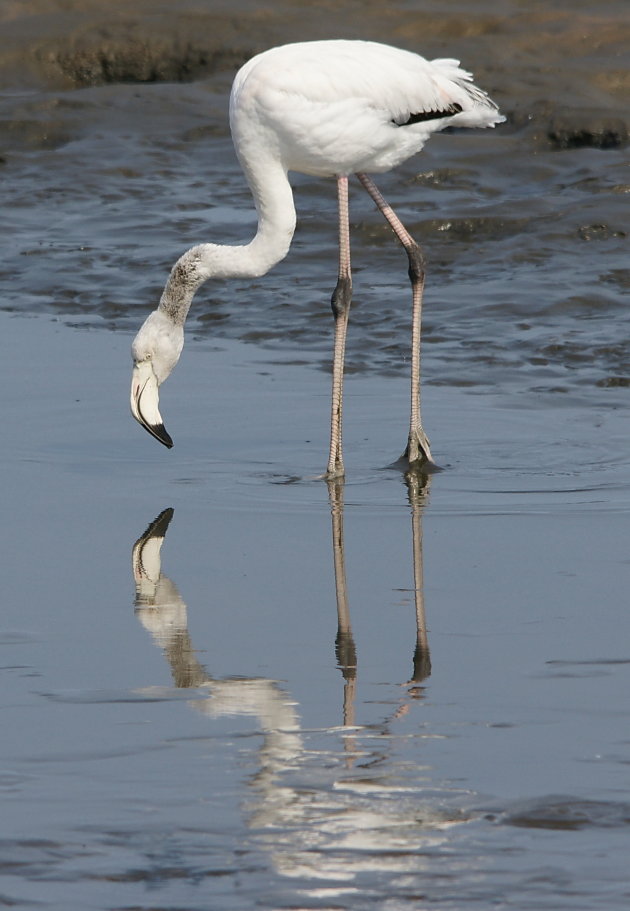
(90, 42)
(558, 70)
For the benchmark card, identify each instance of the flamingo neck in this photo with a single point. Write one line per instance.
(273, 198)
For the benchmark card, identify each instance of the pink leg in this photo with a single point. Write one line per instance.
(418, 451)
(341, 300)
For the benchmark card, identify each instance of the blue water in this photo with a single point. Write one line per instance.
(204, 748)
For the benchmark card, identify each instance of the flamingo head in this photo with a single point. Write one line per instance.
(155, 351)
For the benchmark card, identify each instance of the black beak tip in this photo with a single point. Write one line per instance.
(160, 433)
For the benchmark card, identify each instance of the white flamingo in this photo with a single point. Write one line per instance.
(330, 109)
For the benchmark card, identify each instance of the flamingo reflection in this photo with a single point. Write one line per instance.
(162, 611)
(314, 826)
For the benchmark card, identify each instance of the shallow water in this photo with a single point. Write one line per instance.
(440, 721)
(225, 684)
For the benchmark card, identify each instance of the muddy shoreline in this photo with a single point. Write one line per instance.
(57, 45)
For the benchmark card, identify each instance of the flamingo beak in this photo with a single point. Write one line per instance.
(145, 402)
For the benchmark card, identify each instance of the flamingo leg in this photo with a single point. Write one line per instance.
(418, 451)
(341, 300)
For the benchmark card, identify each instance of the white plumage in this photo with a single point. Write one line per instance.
(330, 109)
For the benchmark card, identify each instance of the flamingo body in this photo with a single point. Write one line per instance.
(331, 108)
(328, 109)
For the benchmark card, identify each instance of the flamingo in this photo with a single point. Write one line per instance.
(329, 109)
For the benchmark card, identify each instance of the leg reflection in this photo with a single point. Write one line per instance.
(345, 649)
(418, 491)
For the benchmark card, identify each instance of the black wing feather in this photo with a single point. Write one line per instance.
(423, 116)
